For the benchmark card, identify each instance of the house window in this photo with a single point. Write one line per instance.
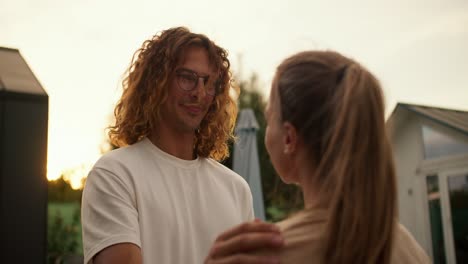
(435, 217)
(437, 145)
(458, 195)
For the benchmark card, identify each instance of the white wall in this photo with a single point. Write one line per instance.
(408, 153)
(412, 169)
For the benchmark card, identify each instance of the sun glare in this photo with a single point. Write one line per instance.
(53, 173)
(71, 166)
(72, 163)
(76, 176)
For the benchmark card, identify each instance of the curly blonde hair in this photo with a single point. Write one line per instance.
(145, 89)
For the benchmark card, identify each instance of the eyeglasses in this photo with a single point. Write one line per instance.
(188, 81)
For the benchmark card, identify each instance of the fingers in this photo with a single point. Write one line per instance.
(248, 227)
(246, 259)
(247, 243)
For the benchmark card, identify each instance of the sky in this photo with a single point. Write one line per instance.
(79, 49)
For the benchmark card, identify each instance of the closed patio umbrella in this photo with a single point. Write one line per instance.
(245, 161)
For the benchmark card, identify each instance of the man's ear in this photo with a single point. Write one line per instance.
(290, 139)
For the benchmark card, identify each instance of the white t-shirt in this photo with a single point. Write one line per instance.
(173, 209)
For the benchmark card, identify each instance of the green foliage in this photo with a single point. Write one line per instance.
(280, 199)
(275, 214)
(64, 232)
(63, 224)
(60, 191)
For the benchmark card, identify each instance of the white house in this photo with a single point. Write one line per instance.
(431, 154)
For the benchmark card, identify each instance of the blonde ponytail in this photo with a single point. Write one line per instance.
(360, 174)
(338, 108)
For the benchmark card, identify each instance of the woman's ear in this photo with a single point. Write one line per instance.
(290, 139)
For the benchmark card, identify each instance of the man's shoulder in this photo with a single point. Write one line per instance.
(122, 165)
(216, 165)
(224, 173)
(221, 169)
(123, 155)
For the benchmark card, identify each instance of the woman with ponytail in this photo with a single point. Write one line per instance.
(326, 133)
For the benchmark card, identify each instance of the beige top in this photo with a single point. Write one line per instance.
(303, 236)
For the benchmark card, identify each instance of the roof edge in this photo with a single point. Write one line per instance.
(407, 105)
(9, 49)
(435, 120)
(15, 96)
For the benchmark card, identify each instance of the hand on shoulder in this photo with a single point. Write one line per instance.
(243, 244)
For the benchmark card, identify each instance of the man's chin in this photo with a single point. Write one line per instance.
(192, 128)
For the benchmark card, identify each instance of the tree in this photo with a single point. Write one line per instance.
(60, 191)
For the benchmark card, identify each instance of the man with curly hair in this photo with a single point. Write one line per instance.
(162, 197)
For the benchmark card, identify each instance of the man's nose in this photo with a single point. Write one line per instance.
(200, 88)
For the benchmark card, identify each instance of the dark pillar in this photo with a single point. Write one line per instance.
(23, 159)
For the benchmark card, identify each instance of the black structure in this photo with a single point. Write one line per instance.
(23, 156)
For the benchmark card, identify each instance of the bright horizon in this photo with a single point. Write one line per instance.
(79, 50)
